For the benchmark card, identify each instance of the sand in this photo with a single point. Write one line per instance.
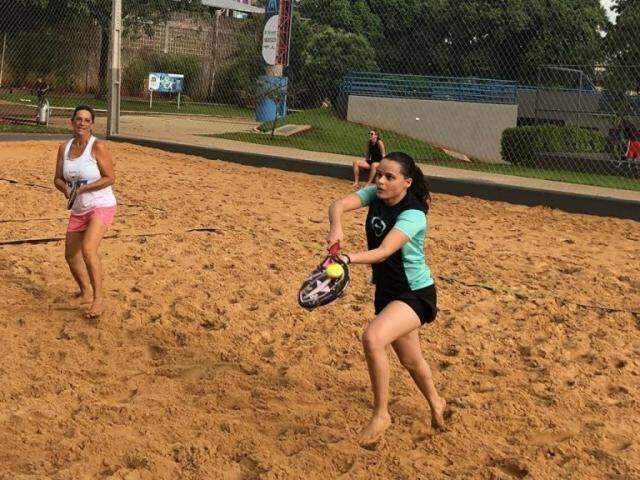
(204, 366)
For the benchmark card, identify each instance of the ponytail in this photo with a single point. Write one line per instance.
(419, 186)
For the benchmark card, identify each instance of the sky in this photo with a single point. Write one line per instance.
(607, 5)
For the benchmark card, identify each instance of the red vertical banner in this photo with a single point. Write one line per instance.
(284, 33)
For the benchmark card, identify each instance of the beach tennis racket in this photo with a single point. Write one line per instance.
(73, 194)
(319, 288)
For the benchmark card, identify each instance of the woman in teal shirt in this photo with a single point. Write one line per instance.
(405, 294)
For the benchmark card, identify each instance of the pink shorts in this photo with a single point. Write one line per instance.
(80, 222)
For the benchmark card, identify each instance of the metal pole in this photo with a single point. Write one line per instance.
(537, 92)
(579, 101)
(113, 106)
(212, 70)
(4, 47)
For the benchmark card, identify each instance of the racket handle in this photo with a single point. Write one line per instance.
(334, 249)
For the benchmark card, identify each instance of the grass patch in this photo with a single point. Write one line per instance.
(568, 176)
(9, 128)
(137, 105)
(333, 135)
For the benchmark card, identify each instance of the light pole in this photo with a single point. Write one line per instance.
(113, 104)
(4, 47)
(275, 53)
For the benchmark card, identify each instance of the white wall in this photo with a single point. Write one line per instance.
(474, 129)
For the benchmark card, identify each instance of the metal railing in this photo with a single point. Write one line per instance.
(458, 89)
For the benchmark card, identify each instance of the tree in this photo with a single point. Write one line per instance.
(329, 55)
(506, 39)
(302, 30)
(415, 36)
(21, 15)
(352, 16)
(136, 15)
(236, 82)
(621, 42)
(623, 55)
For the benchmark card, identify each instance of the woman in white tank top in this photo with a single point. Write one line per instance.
(86, 161)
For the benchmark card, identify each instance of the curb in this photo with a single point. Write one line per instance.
(567, 201)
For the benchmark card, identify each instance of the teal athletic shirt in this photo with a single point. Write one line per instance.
(406, 269)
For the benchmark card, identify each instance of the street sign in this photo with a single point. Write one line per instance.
(270, 40)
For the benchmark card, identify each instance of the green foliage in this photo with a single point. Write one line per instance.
(329, 55)
(507, 39)
(135, 74)
(623, 50)
(318, 51)
(331, 134)
(42, 54)
(521, 144)
(236, 82)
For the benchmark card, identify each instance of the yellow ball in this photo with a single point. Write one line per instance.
(334, 270)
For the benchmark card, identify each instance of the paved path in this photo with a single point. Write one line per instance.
(430, 170)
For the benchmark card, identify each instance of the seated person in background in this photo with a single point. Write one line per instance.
(40, 88)
(375, 152)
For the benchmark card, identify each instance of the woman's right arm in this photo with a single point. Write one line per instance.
(58, 179)
(337, 208)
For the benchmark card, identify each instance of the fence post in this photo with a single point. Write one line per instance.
(4, 46)
(113, 106)
(579, 101)
(535, 108)
(214, 64)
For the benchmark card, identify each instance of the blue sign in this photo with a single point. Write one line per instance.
(166, 82)
(270, 9)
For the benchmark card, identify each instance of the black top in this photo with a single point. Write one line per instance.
(381, 218)
(375, 152)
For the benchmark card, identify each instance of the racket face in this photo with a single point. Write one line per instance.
(72, 195)
(319, 289)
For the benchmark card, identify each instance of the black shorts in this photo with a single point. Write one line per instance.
(423, 301)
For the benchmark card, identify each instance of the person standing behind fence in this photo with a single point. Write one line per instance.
(633, 147)
(375, 152)
(87, 161)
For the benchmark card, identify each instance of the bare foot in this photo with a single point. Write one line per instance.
(97, 308)
(374, 431)
(355, 184)
(83, 297)
(438, 413)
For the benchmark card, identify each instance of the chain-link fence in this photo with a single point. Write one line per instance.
(49, 57)
(544, 89)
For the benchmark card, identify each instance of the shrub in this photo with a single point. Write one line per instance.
(137, 72)
(520, 145)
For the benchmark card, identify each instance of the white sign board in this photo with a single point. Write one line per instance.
(166, 82)
(270, 40)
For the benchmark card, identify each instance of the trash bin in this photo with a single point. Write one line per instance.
(43, 113)
(268, 88)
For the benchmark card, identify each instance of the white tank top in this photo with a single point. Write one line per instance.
(85, 169)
